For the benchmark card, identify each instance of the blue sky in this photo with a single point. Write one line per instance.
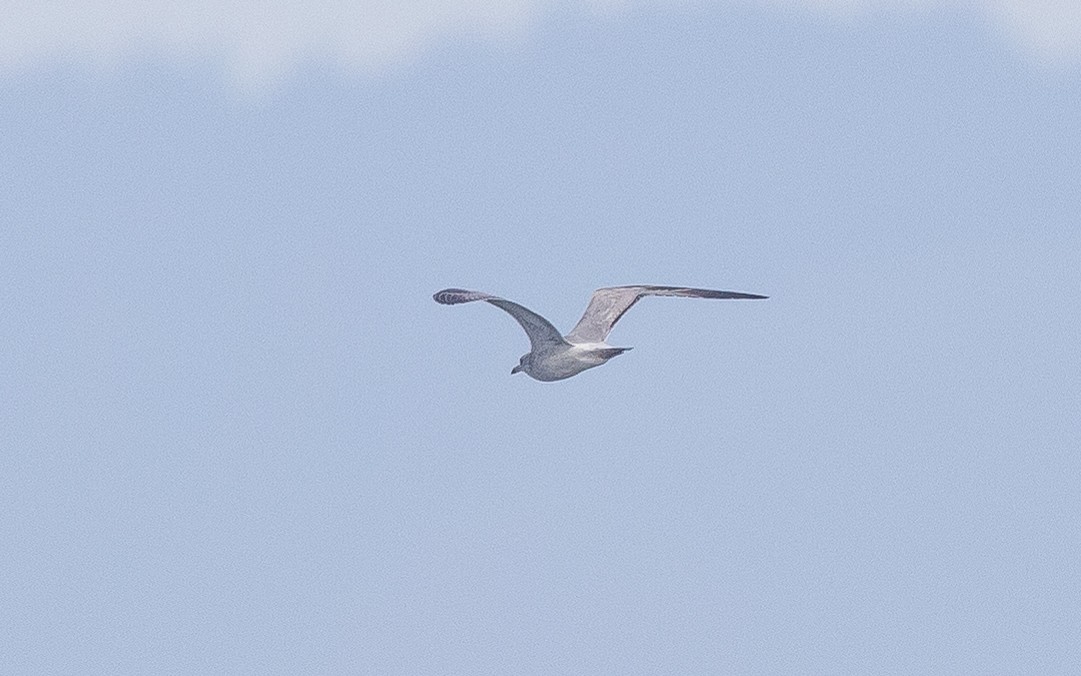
(239, 437)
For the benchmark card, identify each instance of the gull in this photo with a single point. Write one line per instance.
(553, 356)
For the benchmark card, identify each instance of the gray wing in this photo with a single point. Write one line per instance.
(608, 304)
(540, 330)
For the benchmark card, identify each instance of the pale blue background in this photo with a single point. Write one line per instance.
(237, 436)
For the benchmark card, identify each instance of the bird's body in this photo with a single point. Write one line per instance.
(557, 362)
(555, 357)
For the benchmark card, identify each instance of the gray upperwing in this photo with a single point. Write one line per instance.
(540, 330)
(610, 303)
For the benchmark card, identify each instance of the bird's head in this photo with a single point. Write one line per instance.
(523, 363)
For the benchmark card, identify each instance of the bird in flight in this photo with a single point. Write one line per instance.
(553, 356)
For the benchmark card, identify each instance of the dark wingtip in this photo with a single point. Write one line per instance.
(730, 295)
(749, 296)
(454, 296)
(446, 296)
(745, 296)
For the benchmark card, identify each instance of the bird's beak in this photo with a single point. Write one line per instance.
(516, 369)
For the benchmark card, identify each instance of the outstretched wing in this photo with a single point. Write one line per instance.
(608, 304)
(540, 330)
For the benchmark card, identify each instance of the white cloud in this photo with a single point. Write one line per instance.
(261, 41)
(257, 41)
(1048, 27)
(1050, 30)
